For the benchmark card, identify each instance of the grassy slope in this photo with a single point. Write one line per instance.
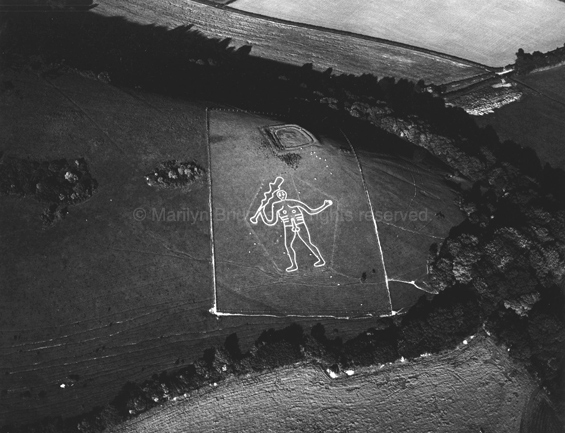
(473, 387)
(56, 124)
(259, 284)
(292, 44)
(488, 32)
(400, 186)
(538, 120)
(100, 295)
(397, 186)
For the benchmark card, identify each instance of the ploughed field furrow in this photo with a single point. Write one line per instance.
(455, 391)
(295, 44)
(485, 31)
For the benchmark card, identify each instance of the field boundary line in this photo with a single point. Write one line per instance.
(241, 110)
(392, 312)
(539, 92)
(212, 310)
(420, 50)
(413, 283)
(304, 316)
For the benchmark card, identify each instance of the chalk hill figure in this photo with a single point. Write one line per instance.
(291, 213)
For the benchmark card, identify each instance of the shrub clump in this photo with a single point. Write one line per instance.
(175, 174)
(290, 159)
(60, 182)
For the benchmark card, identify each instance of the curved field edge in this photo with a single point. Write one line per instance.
(475, 386)
(519, 334)
(392, 43)
(487, 32)
(299, 44)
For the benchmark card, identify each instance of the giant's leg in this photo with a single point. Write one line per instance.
(308, 242)
(290, 249)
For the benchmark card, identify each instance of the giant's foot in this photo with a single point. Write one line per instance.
(321, 262)
(292, 268)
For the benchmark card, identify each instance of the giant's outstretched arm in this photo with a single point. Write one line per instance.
(312, 211)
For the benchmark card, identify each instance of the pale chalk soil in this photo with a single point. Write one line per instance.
(288, 43)
(485, 31)
(477, 386)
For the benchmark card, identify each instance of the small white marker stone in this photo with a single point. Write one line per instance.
(331, 374)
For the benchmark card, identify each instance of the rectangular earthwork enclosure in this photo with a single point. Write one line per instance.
(291, 226)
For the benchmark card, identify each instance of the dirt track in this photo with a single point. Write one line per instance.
(476, 386)
(292, 43)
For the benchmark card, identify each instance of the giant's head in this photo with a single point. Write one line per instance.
(281, 194)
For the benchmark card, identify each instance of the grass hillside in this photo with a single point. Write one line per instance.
(118, 285)
(375, 242)
(118, 289)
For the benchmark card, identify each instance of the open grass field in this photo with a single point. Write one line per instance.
(538, 120)
(122, 287)
(101, 297)
(294, 44)
(474, 388)
(252, 263)
(485, 31)
(375, 242)
(415, 208)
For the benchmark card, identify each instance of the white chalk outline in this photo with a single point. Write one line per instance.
(290, 221)
(413, 283)
(387, 279)
(214, 309)
(392, 312)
